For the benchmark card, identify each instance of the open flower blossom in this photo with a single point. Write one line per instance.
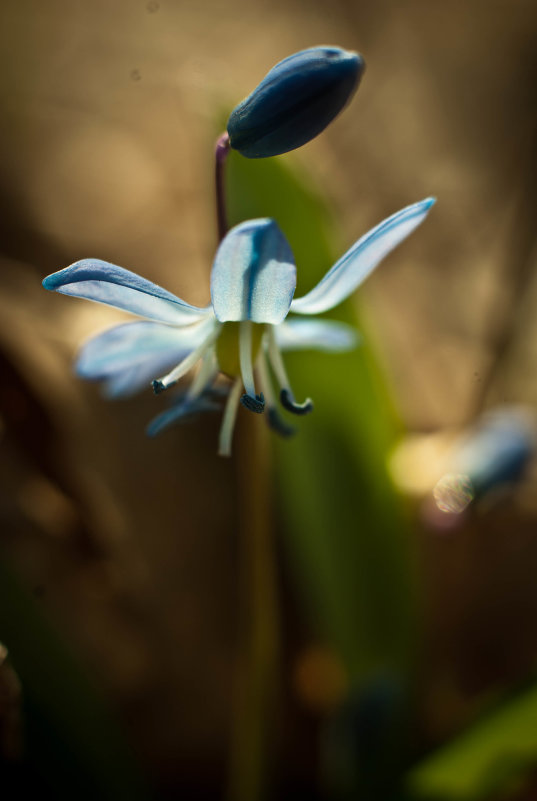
(243, 331)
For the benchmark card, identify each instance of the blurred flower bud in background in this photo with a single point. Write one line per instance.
(295, 101)
(493, 454)
(483, 462)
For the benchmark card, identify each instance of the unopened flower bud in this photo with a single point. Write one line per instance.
(295, 101)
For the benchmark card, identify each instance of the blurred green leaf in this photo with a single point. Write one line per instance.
(343, 523)
(73, 746)
(344, 531)
(492, 756)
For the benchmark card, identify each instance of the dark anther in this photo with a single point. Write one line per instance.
(256, 404)
(289, 403)
(278, 424)
(158, 386)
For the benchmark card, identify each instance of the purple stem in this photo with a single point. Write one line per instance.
(221, 152)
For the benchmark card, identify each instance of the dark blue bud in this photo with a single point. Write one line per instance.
(295, 101)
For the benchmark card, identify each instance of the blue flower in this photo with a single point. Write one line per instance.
(491, 455)
(246, 325)
(295, 101)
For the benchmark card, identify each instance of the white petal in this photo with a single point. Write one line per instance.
(324, 335)
(254, 274)
(129, 356)
(102, 282)
(362, 258)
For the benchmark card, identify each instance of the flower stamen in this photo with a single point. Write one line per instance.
(228, 419)
(251, 401)
(275, 422)
(288, 402)
(256, 405)
(206, 374)
(287, 399)
(160, 384)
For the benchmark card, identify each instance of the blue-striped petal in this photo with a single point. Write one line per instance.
(254, 274)
(324, 335)
(102, 282)
(129, 356)
(362, 258)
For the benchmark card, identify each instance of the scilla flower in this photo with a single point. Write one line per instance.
(252, 286)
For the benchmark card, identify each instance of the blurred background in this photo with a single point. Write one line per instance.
(317, 618)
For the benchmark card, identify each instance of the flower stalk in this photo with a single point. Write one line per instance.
(221, 154)
(257, 675)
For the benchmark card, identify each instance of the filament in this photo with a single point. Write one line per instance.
(228, 419)
(160, 384)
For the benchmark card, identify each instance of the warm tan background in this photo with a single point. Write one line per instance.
(109, 114)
